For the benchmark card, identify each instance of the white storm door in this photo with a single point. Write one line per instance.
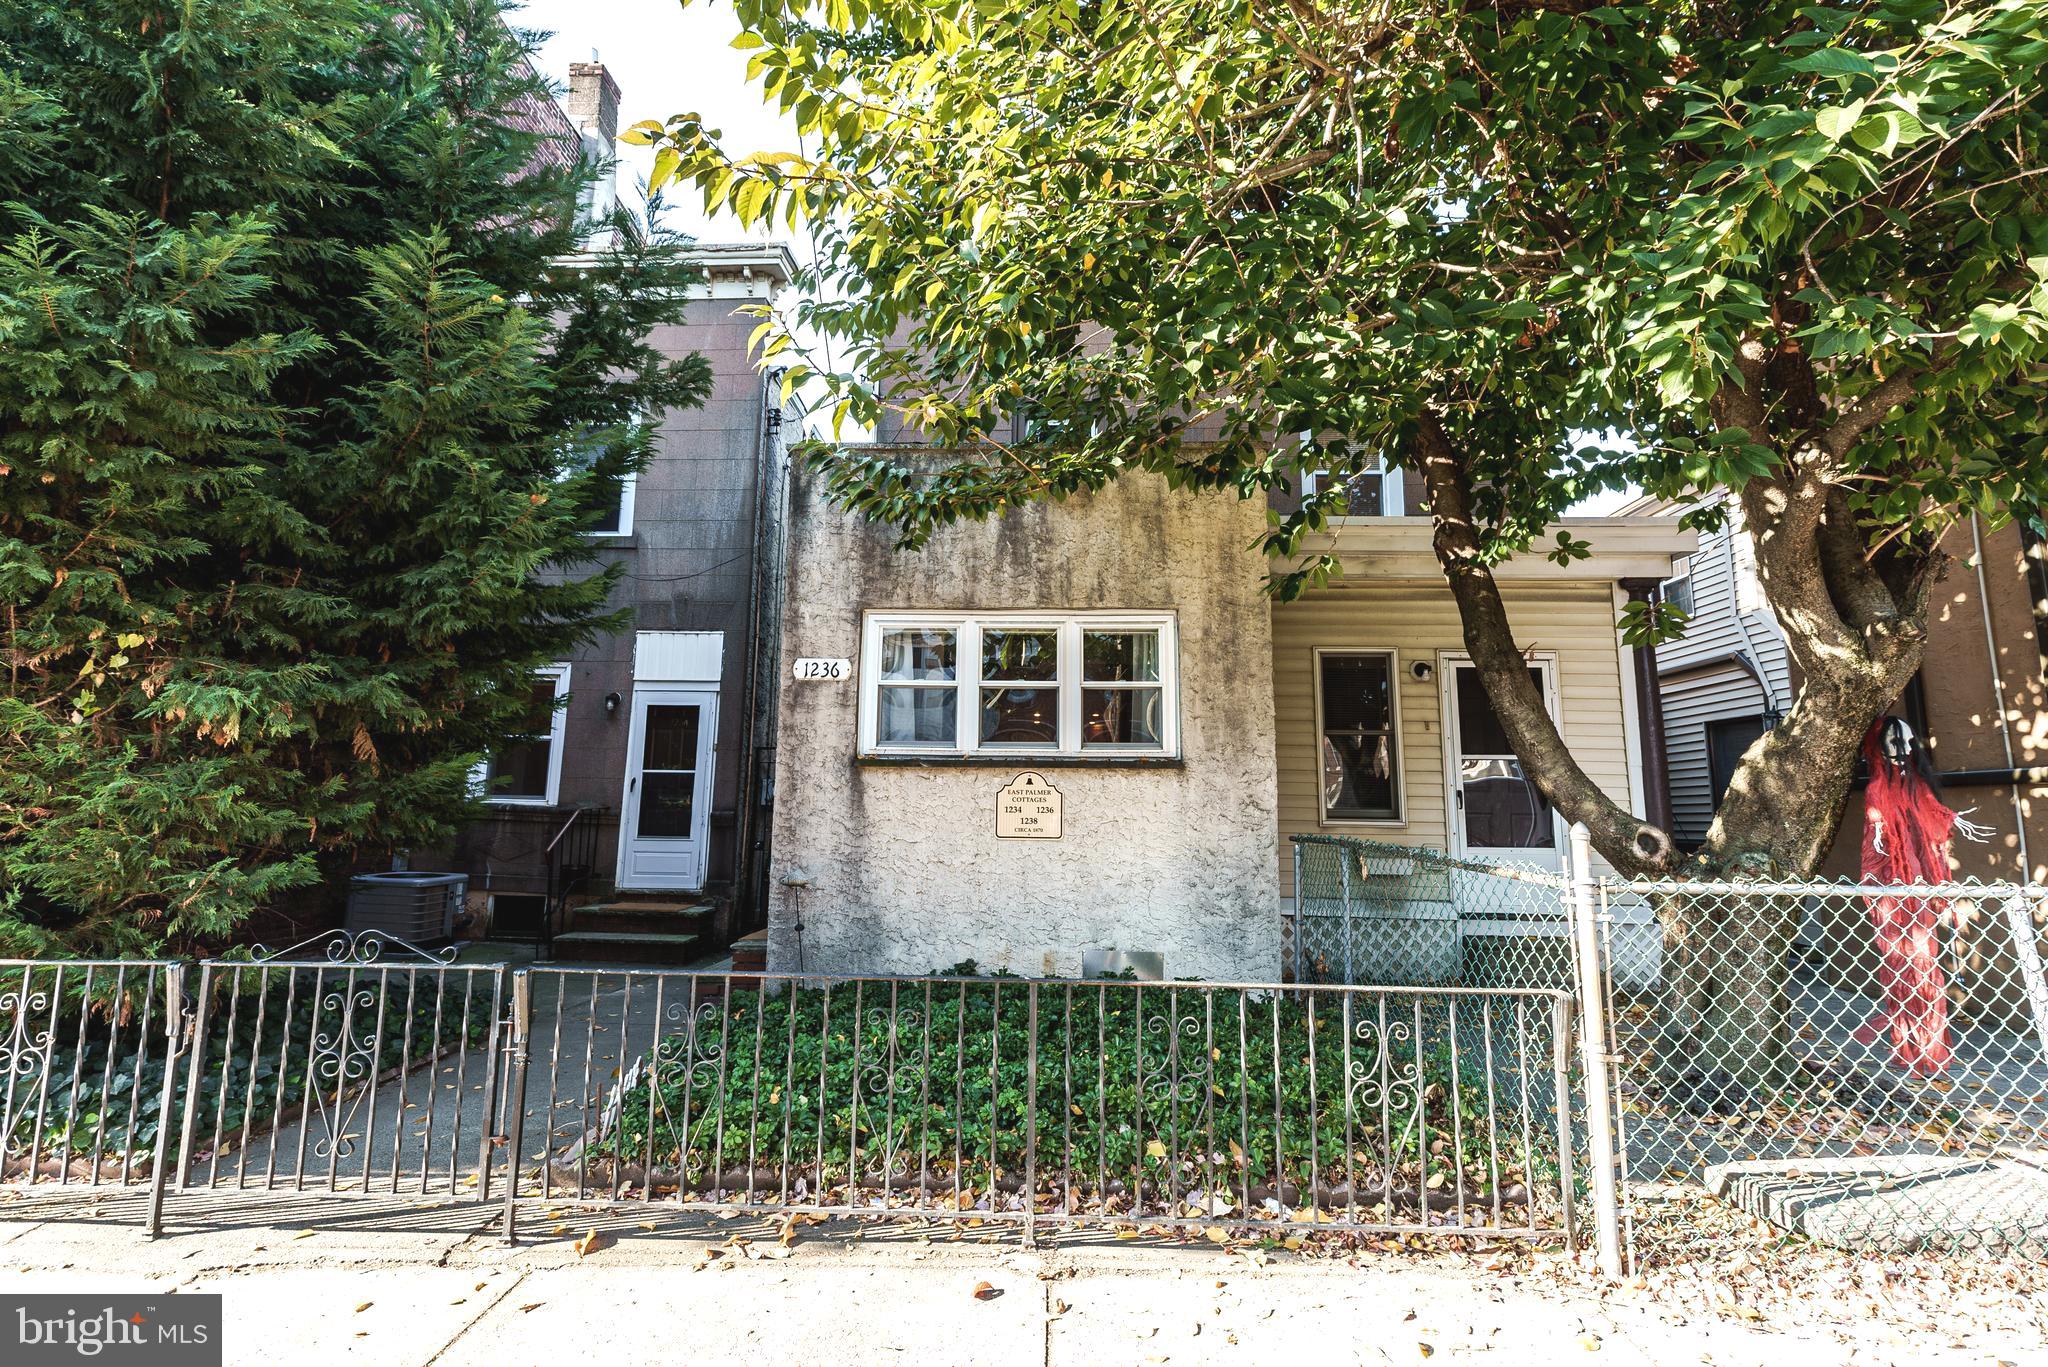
(1496, 812)
(667, 808)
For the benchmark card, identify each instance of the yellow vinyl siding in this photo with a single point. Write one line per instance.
(1575, 622)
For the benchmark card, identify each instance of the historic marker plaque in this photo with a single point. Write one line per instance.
(1028, 809)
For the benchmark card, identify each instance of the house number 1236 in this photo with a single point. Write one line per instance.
(823, 671)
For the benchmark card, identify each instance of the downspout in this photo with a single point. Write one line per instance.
(750, 779)
(1741, 626)
(2019, 815)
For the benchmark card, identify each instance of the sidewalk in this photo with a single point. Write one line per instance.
(316, 1279)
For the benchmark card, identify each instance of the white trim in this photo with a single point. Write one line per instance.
(966, 682)
(556, 731)
(1400, 816)
(1447, 662)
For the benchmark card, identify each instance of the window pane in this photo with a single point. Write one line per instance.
(1503, 810)
(1031, 656)
(1111, 656)
(665, 803)
(671, 738)
(606, 499)
(1364, 490)
(915, 716)
(1020, 716)
(539, 718)
(610, 502)
(1358, 693)
(521, 769)
(917, 654)
(1121, 716)
(1358, 776)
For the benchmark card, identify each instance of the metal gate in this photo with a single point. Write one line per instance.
(345, 1073)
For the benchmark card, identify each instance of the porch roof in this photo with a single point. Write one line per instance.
(1383, 548)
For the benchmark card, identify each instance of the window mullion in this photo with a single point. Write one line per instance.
(1067, 669)
(967, 687)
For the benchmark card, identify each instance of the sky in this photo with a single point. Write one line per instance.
(668, 58)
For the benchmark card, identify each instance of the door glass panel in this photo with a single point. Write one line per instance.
(1503, 809)
(671, 738)
(665, 800)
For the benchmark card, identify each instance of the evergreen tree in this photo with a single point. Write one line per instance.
(307, 393)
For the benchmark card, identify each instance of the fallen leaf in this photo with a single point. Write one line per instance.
(529, 1309)
(593, 1242)
(986, 1291)
(303, 1234)
(364, 1306)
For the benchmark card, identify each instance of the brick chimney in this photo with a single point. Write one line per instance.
(593, 103)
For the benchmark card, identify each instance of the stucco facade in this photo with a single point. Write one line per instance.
(905, 870)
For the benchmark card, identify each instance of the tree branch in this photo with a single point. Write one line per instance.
(1630, 844)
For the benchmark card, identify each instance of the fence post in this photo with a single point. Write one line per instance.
(1030, 1118)
(515, 1110)
(1595, 1059)
(174, 1030)
(2026, 944)
(188, 1120)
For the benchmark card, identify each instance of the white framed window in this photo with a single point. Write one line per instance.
(614, 515)
(1358, 736)
(1677, 590)
(527, 769)
(1096, 684)
(1371, 489)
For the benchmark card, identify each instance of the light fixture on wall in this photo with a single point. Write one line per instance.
(611, 704)
(1422, 671)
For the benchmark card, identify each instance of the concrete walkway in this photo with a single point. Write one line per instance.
(322, 1279)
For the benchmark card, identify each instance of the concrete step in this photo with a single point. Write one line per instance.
(638, 918)
(626, 947)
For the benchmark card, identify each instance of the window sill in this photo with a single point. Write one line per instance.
(1373, 823)
(1019, 761)
(610, 541)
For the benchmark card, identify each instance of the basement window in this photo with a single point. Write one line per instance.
(1019, 684)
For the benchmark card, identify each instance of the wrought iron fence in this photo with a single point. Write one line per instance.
(88, 1055)
(1042, 1103)
(1867, 1065)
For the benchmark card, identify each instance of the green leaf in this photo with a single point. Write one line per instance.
(1834, 61)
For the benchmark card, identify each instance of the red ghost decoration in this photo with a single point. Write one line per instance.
(1906, 834)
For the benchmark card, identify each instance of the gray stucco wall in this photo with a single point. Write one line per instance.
(907, 874)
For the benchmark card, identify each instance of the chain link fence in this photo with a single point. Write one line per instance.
(1372, 913)
(1865, 1065)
